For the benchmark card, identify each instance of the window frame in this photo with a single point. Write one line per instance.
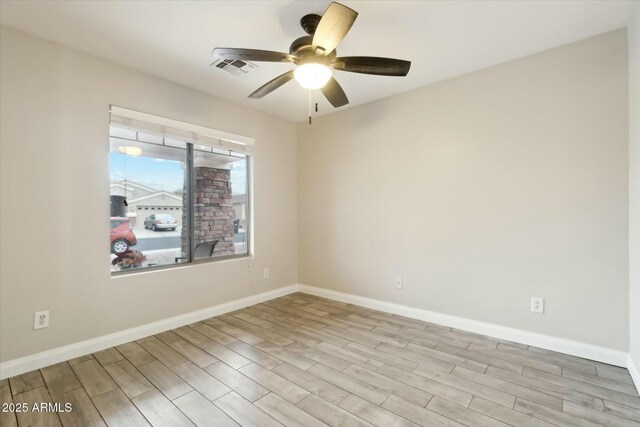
(190, 185)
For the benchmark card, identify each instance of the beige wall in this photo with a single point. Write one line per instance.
(516, 182)
(54, 199)
(480, 191)
(634, 188)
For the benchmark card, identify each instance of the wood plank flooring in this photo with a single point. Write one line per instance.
(306, 361)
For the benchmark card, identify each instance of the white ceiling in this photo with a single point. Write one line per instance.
(174, 39)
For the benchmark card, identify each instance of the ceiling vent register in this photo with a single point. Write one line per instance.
(234, 66)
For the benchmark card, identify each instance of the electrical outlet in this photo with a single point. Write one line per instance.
(398, 282)
(266, 274)
(537, 305)
(41, 319)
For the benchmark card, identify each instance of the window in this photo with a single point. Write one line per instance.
(176, 196)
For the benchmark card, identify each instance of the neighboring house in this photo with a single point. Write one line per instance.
(130, 189)
(144, 201)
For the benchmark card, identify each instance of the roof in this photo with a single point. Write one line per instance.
(126, 183)
(156, 194)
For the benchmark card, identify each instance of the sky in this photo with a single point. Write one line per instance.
(167, 175)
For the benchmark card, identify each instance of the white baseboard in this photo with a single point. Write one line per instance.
(60, 354)
(575, 348)
(634, 370)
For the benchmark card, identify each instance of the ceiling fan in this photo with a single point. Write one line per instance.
(315, 56)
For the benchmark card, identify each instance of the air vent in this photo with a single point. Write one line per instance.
(234, 66)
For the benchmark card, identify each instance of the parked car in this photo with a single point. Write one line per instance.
(122, 236)
(157, 222)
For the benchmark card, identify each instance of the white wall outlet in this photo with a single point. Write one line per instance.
(41, 319)
(398, 282)
(266, 274)
(537, 305)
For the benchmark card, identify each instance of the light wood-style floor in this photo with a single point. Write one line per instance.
(305, 361)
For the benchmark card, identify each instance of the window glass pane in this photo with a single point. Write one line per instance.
(240, 198)
(148, 205)
(220, 205)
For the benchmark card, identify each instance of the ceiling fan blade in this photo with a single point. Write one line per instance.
(252, 55)
(333, 27)
(272, 85)
(373, 65)
(334, 93)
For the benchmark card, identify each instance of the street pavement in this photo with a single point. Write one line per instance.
(170, 241)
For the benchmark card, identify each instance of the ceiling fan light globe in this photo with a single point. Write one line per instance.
(312, 76)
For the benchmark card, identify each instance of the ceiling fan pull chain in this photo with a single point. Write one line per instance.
(309, 105)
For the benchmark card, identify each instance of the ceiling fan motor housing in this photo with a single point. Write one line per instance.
(304, 52)
(300, 45)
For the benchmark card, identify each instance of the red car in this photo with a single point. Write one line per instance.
(122, 236)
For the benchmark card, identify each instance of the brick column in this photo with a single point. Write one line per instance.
(213, 210)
